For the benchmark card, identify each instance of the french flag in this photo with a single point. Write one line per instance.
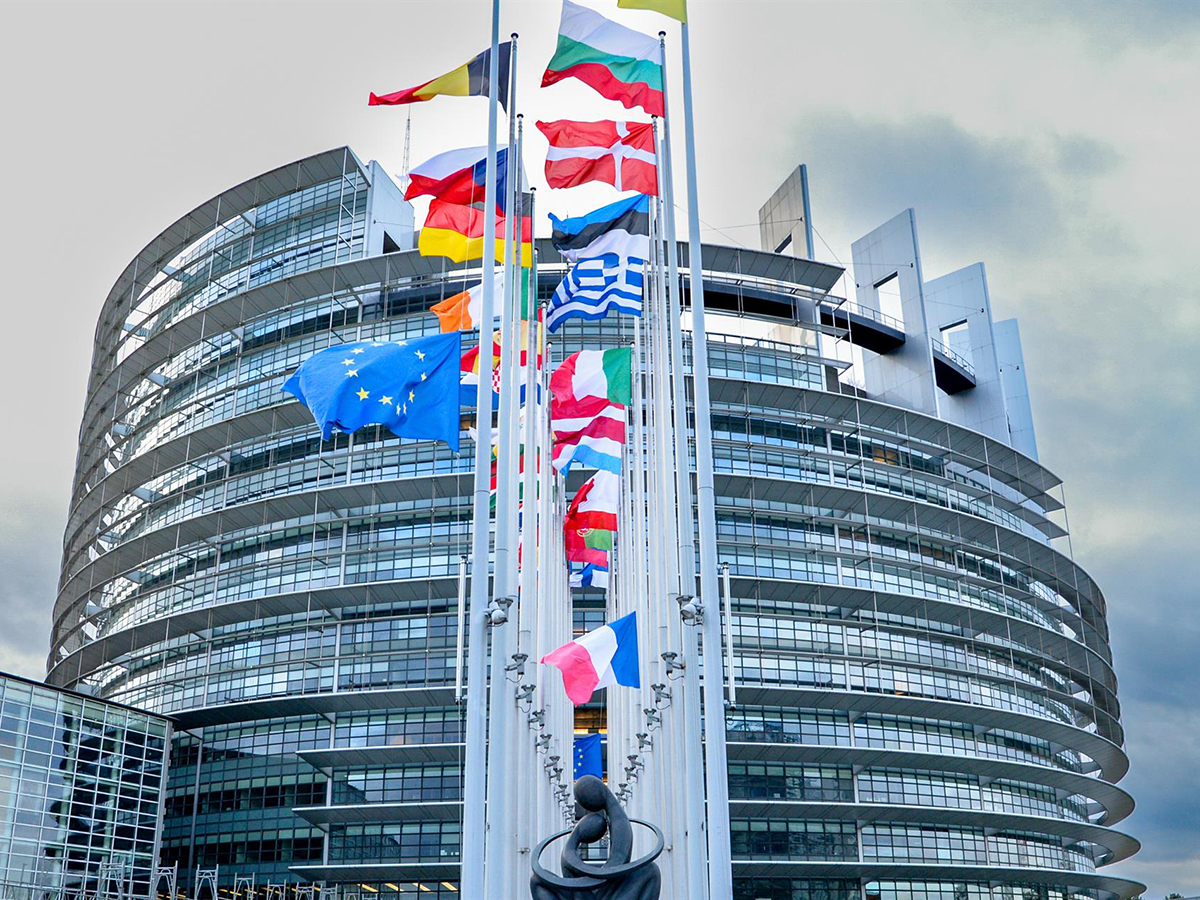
(600, 658)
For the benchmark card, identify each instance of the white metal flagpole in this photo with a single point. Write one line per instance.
(475, 778)
(697, 863)
(501, 839)
(720, 874)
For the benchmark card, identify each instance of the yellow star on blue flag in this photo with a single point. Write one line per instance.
(424, 371)
(588, 756)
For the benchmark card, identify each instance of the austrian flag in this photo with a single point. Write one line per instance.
(617, 153)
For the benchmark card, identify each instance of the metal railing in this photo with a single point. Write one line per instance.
(957, 358)
(873, 314)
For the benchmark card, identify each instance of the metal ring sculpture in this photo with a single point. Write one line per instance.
(599, 876)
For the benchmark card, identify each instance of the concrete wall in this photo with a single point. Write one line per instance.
(387, 212)
(783, 216)
(1016, 390)
(905, 376)
(952, 298)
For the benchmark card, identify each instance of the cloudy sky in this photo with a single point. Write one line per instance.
(1057, 142)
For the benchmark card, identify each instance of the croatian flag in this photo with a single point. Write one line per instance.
(600, 658)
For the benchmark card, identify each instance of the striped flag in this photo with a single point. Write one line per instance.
(617, 62)
(596, 503)
(622, 227)
(594, 286)
(588, 545)
(461, 312)
(591, 389)
(591, 575)
(617, 153)
(591, 434)
(471, 79)
(456, 231)
(595, 373)
(602, 658)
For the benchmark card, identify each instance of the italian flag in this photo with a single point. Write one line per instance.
(595, 373)
(617, 62)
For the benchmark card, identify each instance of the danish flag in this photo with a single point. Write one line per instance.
(617, 153)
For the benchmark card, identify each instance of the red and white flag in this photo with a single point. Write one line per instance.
(596, 502)
(617, 153)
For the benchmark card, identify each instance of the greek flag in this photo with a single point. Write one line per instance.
(596, 285)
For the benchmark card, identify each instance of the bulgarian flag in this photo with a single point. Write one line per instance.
(602, 658)
(456, 232)
(617, 153)
(617, 62)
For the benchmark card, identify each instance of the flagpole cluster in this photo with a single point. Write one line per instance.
(620, 414)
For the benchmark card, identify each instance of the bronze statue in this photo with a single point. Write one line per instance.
(616, 878)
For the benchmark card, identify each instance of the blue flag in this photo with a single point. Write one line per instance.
(622, 227)
(596, 285)
(409, 387)
(588, 760)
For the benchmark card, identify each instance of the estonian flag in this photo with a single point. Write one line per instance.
(622, 228)
(468, 80)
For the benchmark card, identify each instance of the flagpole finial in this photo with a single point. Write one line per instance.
(662, 34)
(514, 35)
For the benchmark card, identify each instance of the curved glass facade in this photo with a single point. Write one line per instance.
(927, 706)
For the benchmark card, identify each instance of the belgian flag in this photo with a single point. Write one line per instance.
(468, 80)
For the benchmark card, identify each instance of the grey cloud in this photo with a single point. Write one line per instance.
(1112, 368)
(971, 192)
(1110, 23)
(29, 559)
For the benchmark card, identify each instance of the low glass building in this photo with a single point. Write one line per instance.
(81, 793)
(926, 710)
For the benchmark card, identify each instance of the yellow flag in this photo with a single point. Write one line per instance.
(676, 9)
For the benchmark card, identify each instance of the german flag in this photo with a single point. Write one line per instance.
(468, 80)
(456, 232)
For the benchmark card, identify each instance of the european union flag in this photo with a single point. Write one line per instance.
(587, 756)
(410, 387)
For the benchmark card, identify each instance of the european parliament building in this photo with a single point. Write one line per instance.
(926, 705)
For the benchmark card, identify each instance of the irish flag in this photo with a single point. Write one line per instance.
(616, 62)
(602, 658)
(461, 312)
